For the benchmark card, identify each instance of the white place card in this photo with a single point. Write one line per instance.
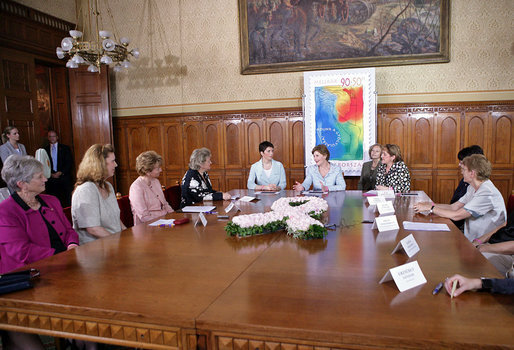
(386, 193)
(408, 245)
(247, 199)
(386, 223)
(375, 200)
(405, 276)
(201, 218)
(229, 208)
(385, 208)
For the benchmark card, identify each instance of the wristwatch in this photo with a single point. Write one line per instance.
(431, 210)
(487, 284)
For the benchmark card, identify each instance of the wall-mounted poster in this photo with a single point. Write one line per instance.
(340, 112)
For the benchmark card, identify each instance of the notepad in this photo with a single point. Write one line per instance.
(424, 226)
(198, 209)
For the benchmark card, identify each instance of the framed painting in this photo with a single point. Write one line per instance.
(299, 35)
(339, 110)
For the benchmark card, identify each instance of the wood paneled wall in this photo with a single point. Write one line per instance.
(430, 137)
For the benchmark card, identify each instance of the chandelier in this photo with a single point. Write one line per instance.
(95, 47)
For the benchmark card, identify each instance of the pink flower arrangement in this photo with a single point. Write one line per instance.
(297, 214)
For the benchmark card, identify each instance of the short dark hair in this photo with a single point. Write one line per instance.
(467, 151)
(264, 145)
(322, 149)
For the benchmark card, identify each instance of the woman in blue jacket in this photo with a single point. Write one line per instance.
(267, 174)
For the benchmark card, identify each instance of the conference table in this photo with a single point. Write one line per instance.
(193, 287)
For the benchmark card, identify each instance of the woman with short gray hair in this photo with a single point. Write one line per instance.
(32, 226)
(196, 185)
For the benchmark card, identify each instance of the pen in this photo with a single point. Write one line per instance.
(166, 225)
(437, 288)
(408, 194)
(454, 286)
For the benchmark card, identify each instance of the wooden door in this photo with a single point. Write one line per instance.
(255, 133)
(234, 138)
(277, 132)
(18, 96)
(193, 138)
(61, 116)
(90, 109)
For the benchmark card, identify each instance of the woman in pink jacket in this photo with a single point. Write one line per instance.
(145, 194)
(32, 227)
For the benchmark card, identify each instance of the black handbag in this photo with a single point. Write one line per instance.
(14, 281)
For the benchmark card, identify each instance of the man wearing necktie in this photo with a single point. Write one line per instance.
(60, 182)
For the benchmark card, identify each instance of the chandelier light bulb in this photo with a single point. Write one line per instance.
(67, 44)
(108, 44)
(125, 41)
(92, 69)
(106, 59)
(59, 52)
(71, 64)
(104, 34)
(117, 68)
(126, 64)
(78, 59)
(135, 53)
(75, 34)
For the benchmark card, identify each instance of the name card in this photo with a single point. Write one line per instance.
(376, 200)
(201, 218)
(229, 208)
(385, 208)
(405, 276)
(386, 193)
(408, 245)
(247, 199)
(386, 223)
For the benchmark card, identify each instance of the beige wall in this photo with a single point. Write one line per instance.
(190, 59)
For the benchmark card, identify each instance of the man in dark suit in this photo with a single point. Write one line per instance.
(60, 182)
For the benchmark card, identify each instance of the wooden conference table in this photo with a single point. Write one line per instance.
(193, 287)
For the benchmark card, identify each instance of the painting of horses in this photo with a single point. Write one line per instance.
(297, 35)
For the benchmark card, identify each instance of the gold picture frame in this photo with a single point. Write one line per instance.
(301, 35)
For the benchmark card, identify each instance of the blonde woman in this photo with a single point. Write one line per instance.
(145, 195)
(94, 207)
(10, 138)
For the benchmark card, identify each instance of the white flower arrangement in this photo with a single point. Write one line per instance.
(298, 215)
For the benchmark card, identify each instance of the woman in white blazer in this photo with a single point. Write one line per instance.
(11, 136)
(267, 174)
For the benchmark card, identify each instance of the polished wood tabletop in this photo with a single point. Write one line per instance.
(192, 286)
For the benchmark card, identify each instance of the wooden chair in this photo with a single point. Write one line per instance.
(126, 211)
(510, 203)
(172, 195)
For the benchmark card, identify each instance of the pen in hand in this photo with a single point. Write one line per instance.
(454, 286)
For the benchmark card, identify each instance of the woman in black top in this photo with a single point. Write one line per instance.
(196, 185)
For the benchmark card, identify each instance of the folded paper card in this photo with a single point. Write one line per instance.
(405, 276)
(385, 208)
(386, 223)
(408, 245)
(375, 200)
